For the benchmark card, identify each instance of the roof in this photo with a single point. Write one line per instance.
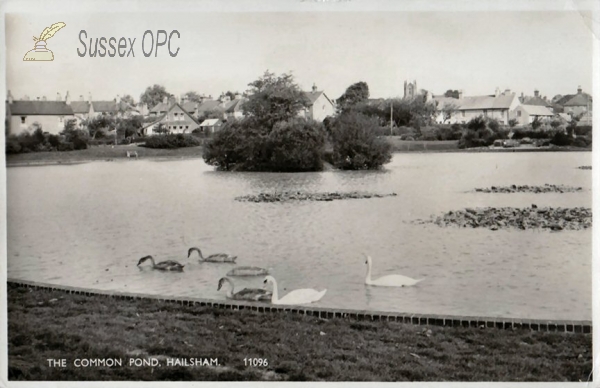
(188, 106)
(535, 101)
(537, 110)
(313, 96)
(101, 106)
(580, 99)
(210, 122)
(209, 105)
(176, 123)
(58, 108)
(502, 101)
(443, 101)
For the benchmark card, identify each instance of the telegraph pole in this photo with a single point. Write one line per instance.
(392, 118)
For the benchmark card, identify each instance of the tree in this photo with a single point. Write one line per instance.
(273, 99)
(452, 93)
(153, 95)
(128, 99)
(193, 96)
(99, 126)
(512, 123)
(448, 110)
(354, 94)
(355, 143)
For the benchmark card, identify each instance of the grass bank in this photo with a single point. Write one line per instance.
(96, 153)
(53, 324)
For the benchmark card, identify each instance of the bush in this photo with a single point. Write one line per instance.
(561, 139)
(582, 141)
(583, 130)
(480, 133)
(171, 141)
(13, 146)
(355, 145)
(296, 145)
(293, 145)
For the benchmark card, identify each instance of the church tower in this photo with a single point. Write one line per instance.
(410, 89)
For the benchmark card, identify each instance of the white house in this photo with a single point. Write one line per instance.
(526, 114)
(175, 120)
(497, 106)
(211, 125)
(51, 115)
(320, 106)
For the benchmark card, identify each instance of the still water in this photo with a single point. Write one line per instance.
(87, 225)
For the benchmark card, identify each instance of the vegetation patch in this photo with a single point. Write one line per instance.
(304, 196)
(53, 324)
(171, 141)
(547, 188)
(493, 218)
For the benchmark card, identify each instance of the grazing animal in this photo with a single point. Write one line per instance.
(169, 265)
(215, 258)
(301, 296)
(246, 293)
(388, 280)
(248, 271)
(132, 154)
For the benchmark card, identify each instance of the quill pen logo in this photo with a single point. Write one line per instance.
(40, 52)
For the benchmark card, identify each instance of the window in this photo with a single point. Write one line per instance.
(485, 112)
(61, 119)
(187, 126)
(462, 113)
(23, 118)
(518, 113)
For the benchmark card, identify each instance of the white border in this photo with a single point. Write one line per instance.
(205, 6)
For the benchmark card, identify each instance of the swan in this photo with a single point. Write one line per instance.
(388, 280)
(169, 265)
(246, 293)
(216, 257)
(302, 296)
(248, 271)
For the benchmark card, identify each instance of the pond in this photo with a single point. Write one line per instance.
(88, 224)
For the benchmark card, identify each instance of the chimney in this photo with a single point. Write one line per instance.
(522, 95)
(579, 89)
(81, 97)
(460, 94)
(90, 98)
(26, 98)
(118, 99)
(238, 96)
(497, 93)
(165, 99)
(536, 93)
(507, 91)
(68, 98)
(44, 98)
(9, 97)
(314, 87)
(58, 96)
(37, 98)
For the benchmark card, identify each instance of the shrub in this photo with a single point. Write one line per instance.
(561, 139)
(171, 141)
(296, 145)
(480, 134)
(355, 145)
(584, 130)
(582, 141)
(13, 146)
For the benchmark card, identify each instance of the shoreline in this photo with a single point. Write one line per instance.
(118, 153)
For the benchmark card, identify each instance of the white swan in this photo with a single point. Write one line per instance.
(388, 280)
(301, 296)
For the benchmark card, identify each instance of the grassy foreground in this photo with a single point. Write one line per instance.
(44, 324)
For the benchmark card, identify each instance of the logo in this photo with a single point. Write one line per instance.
(40, 52)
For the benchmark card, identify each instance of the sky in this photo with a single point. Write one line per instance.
(220, 51)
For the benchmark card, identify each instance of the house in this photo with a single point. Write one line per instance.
(576, 104)
(175, 120)
(496, 106)
(85, 110)
(211, 125)
(51, 115)
(536, 100)
(224, 107)
(161, 108)
(527, 114)
(319, 105)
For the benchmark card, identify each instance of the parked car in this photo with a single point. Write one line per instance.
(511, 143)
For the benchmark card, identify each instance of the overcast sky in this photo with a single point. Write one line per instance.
(473, 51)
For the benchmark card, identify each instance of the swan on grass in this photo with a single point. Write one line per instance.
(246, 293)
(215, 257)
(301, 296)
(388, 280)
(169, 265)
